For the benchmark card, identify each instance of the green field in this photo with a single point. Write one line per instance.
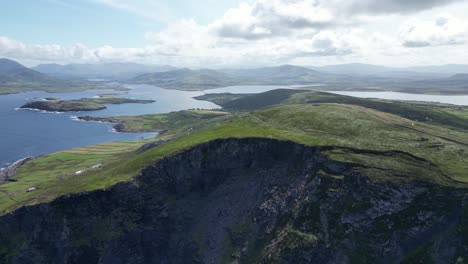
(384, 146)
(181, 122)
(440, 114)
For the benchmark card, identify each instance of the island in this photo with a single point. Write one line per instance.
(84, 104)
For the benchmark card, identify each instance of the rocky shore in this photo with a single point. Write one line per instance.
(7, 173)
(117, 124)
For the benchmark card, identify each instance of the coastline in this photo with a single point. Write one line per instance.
(117, 125)
(10, 171)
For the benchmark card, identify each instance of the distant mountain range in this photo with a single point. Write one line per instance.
(113, 71)
(418, 72)
(361, 77)
(205, 79)
(14, 77)
(186, 79)
(284, 75)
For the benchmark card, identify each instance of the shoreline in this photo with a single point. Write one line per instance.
(80, 105)
(10, 171)
(117, 125)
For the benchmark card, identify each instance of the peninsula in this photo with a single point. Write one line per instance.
(84, 104)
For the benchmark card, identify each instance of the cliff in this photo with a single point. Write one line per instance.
(245, 201)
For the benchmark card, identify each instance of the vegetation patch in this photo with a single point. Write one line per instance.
(85, 104)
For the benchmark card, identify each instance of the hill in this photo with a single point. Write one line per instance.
(446, 115)
(113, 71)
(292, 182)
(449, 69)
(362, 69)
(356, 69)
(186, 79)
(11, 72)
(16, 78)
(284, 75)
(460, 77)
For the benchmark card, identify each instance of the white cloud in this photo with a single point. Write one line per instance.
(268, 32)
(270, 18)
(443, 30)
(388, 6)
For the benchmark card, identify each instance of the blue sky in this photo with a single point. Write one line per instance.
(228, 33)
(94, 23)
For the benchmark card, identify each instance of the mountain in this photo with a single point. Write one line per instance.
(11, 72)
(415, 72)
(361, 69)
(460, 77)
(186, 79)
(355, 69)
(114, 71)
(449, 69)
(16, 78)
(282, 75)
(208, 79)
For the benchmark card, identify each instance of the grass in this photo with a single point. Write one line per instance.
(221, 98)
(85, 104)
(176, 122)
(383, 146)
(51, 171)
(451, 116)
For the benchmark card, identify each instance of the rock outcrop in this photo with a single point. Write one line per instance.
(10, 171)
(244, 201)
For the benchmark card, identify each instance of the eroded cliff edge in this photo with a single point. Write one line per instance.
(244, 201)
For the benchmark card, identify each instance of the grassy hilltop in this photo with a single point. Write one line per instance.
(385, 145)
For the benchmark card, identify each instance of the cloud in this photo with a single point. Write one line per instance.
(444, 30)
(77, 53)
(13, 48)
(270, 18)
(267, 32)
(389, 6)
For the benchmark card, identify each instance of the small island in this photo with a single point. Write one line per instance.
(84, 104)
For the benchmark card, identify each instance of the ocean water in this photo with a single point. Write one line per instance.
(30, 133)
(26, 132)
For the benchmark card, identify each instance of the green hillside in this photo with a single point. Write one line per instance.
(383, 146)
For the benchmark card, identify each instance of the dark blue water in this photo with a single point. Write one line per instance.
(30, 133)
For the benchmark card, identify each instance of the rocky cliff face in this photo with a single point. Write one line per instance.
(244, 201)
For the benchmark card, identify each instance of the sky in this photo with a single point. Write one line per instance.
(235, 33)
